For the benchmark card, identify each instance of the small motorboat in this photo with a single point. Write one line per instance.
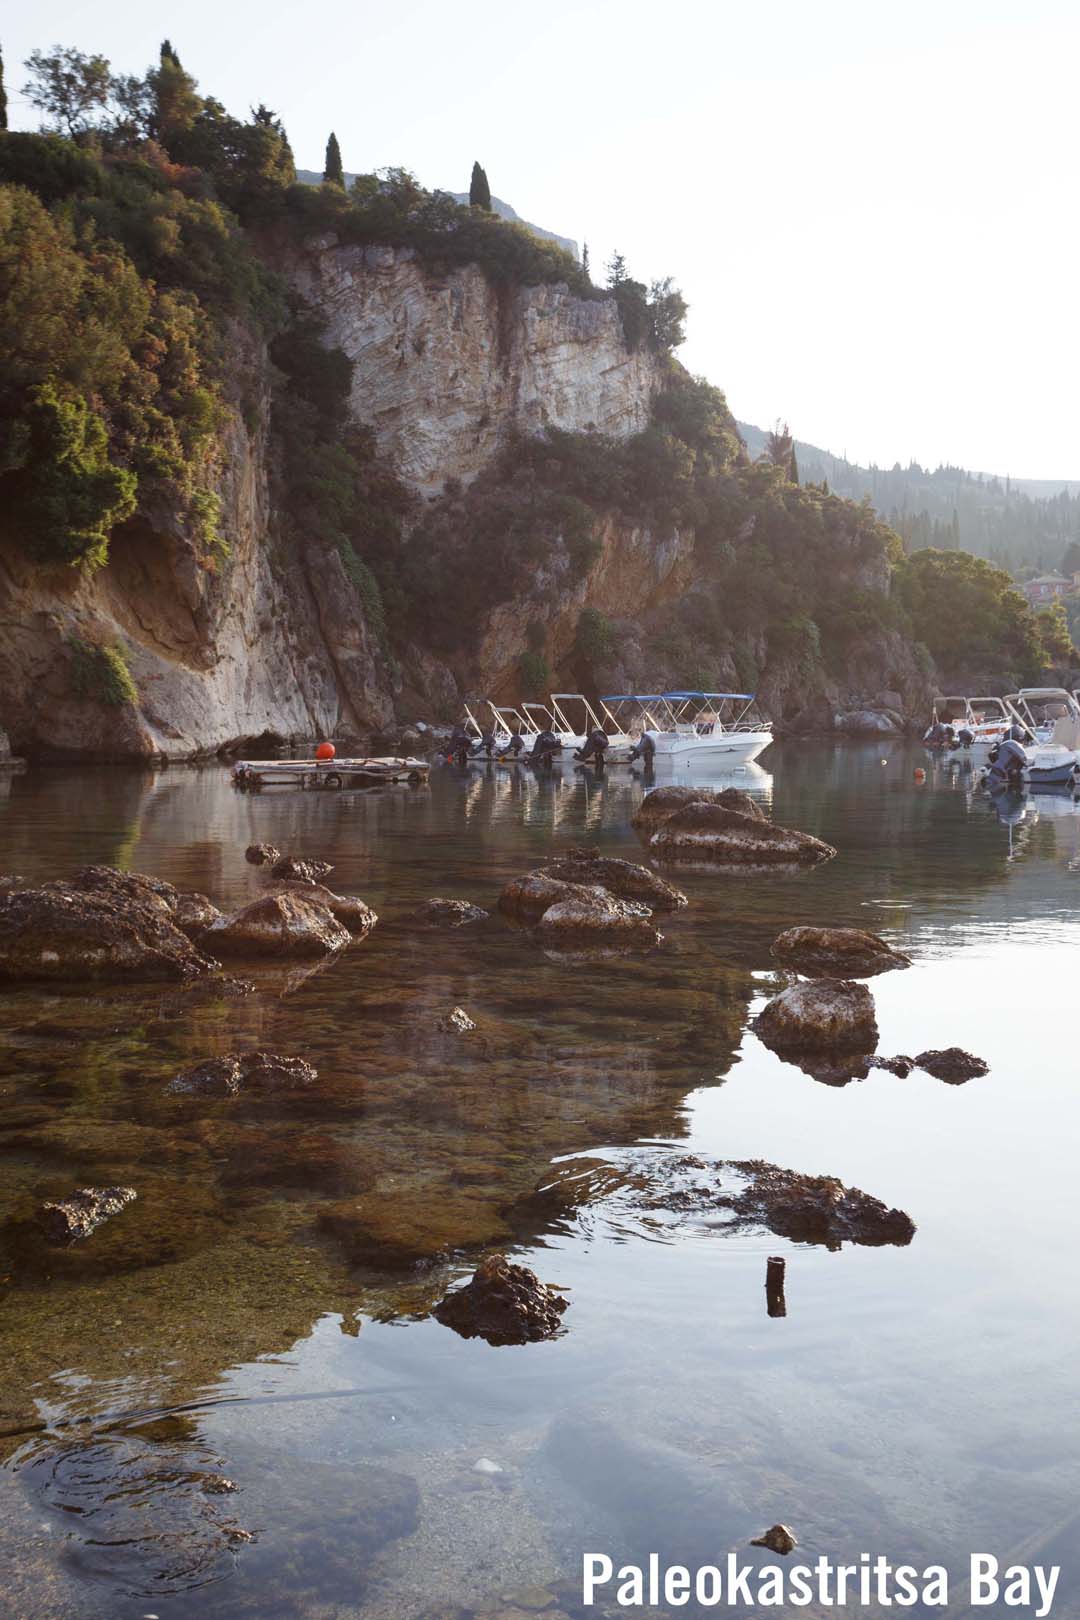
(691, 729)
(968, 727)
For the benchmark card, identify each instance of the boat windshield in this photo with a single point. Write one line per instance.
(698, 713)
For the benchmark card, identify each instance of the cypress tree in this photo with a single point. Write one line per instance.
(585, 260)
(479, 190)
(3, 95)
(793, 473)
(333, 173)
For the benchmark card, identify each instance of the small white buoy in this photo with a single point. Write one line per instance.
(884, 762)
(484, 1465)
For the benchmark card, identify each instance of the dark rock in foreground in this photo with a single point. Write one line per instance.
(504, 1304)
(297, 869)
(779, 1538)
(528, 897)
(262, 854)
(440, 913)
(648, 1188)
(952, 1064)
(65, 933)
(840, 953)
(817, 1015)
(816, 1209)
(713, 833)
(281, 925)
(663, 802)
(69, 1220)
(624, 879)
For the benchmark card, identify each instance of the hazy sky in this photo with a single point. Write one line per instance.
(871, 208)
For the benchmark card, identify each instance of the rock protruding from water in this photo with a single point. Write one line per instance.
(952, 1064)
(70, 1220)
(349, 909)
(194, 913)
(624, 879)
(779, 1538)
(836, 953)
(715, 834)
(528, 897)
(262, 854)
(662, 802)
(819, 1015)
(62, 932)
(440, 913)
(504, 1304)
(257, 1071)
(298, 869)
(597, 922)
(279, 925)
(816, 1209)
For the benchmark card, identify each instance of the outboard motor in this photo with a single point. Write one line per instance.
(460, 746)
(1008, 761)
(516, 744)
(595, 747)
(939, 735)
(964, 737)
(1019, 733)
(486, 745)
(545, 746)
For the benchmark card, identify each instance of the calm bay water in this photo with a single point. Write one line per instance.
(916, 1402)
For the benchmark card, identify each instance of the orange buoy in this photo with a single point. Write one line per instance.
(325, 751)
(920, 774)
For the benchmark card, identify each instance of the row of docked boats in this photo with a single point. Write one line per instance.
(1032, 736)
(678, 729)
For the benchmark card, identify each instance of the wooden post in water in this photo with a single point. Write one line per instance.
(775, 1302)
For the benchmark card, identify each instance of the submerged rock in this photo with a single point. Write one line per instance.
(391, 1234)
(65, 933)
(439, 913)
(298, 869)
(623, 879)
(841, 953)
(952, 1064)
(820, 1014)
(504, 1304)
(69, 1220)
(597, 921)
(712, 832)
(663, 802)
(279, 925)
(900, 1066)
(455, 1022)
(779, 1538)
(257, 1071)
(262, 854)
(349, 909)
(194, 913)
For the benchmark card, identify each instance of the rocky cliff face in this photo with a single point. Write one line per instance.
(260, 642)
(448, 367)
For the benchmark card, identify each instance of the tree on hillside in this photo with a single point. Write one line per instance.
(3, 95)
(333, 172)
(780, 451)
(616, 270)
(667, 310)
(176, 105)
(1054, 634)
(969, 615)
(479, 190)
(585, 260)
(1070, 562)
(69, 87)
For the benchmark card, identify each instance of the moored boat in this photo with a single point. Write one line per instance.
(691, 729)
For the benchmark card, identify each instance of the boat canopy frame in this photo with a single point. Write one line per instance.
(686, 711)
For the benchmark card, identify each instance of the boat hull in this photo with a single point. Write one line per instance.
(694, 752)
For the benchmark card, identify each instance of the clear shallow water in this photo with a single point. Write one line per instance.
(917, 1402)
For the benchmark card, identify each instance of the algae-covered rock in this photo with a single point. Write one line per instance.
(63, 933)
(624, 879)
(841, 953)
(504, 1304)
(713, 833)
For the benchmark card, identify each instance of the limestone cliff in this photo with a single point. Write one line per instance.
(447, 367)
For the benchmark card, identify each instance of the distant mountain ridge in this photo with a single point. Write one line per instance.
(1019, 523)
(312, 177)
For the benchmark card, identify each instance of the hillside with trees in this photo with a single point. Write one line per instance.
(147, 323)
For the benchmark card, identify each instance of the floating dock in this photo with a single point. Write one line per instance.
(327, 775)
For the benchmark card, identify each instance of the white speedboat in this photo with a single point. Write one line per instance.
(692, 729)
(1049, 717)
